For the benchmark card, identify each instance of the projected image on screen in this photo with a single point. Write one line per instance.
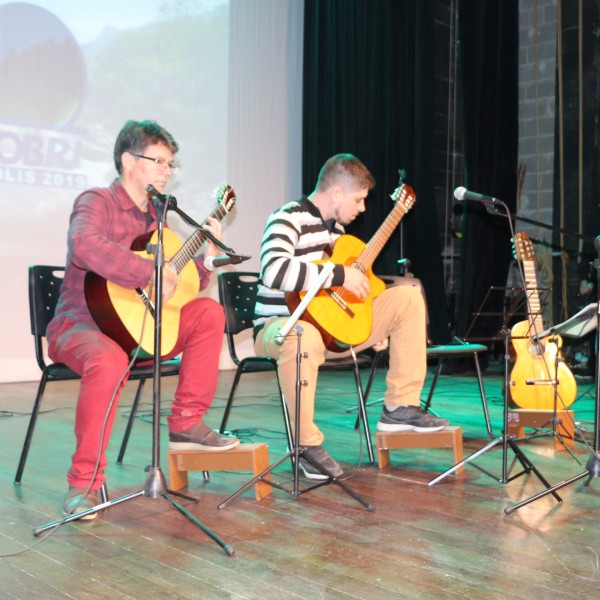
(71, 74)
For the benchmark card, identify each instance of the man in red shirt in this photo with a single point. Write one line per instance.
(103, 225)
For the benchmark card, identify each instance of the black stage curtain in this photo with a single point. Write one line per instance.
(488, 61)
(368, 90)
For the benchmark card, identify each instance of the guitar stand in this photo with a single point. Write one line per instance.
(553, 423)
(505, 440)
(297, 451)
(155, 485)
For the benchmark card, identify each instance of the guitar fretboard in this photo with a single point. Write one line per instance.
(534, 308)
(195, 241)
(377, 242)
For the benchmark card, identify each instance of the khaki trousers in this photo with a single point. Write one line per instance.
(398, 314)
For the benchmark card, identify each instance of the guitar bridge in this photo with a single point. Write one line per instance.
(541, 382)
(341, 302)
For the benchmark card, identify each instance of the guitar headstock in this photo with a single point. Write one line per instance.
(404, 195)
(522, 247)
(226, 197)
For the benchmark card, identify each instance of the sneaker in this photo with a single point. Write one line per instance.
(201, 437)
(318, 455)
(77, 500)
(410, 418)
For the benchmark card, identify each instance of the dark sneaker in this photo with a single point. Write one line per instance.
(410, 418)
(201, 437)
(318, 455)
(77, 500)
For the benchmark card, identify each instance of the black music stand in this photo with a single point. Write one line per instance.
(155, 485)
(297, 451)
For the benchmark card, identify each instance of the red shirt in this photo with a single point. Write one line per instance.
(103, 225)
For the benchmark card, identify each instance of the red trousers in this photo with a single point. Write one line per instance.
(101, 363)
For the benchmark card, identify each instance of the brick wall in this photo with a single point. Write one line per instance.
(537, 80)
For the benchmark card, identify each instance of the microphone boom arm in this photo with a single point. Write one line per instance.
(170, 203)
(463, 194)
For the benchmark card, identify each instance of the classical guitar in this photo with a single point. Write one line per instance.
(120, 313)
(344, 319)
(538, 362)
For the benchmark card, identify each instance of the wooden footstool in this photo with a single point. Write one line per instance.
(450, 437)
(245, 457)
(520, 418)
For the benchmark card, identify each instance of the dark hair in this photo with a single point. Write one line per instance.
(136, 136)
(347, 171)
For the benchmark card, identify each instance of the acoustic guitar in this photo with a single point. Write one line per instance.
(342, 318)
(538, 362)
(127, 315)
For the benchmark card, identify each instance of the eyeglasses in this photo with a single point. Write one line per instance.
(161, 163)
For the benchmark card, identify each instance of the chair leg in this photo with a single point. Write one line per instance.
(32, 422)
(438, 370)
(484, 403)
(374, 366)
(234, 386)
(103, 493)
(284, 408)
(134, 408)
(362, 412)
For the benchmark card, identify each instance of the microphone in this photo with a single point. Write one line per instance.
(162, 197)
(213, 262)
(462, 193)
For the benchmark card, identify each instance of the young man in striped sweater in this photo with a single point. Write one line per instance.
(295, 236)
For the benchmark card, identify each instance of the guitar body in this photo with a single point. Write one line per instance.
(343, 319)
(536, 362)
(119, 312)
(127, 316)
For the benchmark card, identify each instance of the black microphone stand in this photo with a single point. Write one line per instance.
(593, 463)
(492, 206)
(155, 485)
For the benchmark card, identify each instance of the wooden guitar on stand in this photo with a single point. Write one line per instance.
(344, 319)
(120, 312)
(540, 379)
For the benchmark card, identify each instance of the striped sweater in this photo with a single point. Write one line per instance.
(294, 237)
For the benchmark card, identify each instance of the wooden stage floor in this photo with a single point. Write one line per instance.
(449, 540)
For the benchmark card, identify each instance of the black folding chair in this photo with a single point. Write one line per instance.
(237, 294)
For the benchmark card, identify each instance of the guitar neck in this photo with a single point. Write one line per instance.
(534, 307)
(194, 242)
(382, 235)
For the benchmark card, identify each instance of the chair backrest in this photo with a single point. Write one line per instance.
(44, 290)
(237, 294)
